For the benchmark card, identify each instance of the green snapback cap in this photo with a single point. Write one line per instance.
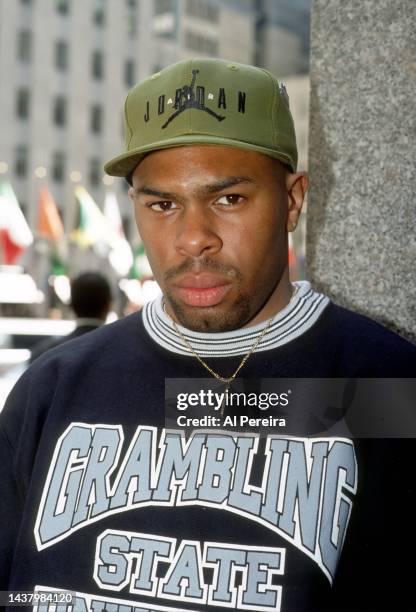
(207, 101)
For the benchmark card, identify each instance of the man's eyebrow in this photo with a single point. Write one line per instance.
(164, 195)
(230, 181)
(209, 189)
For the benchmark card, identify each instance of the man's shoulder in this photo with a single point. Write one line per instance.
(98, 355)
(105, 348)
(361, 327)
(366, 339)
(80, 345)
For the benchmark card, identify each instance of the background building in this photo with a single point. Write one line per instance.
(66, 66)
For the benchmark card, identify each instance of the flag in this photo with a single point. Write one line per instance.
(141, 267)
(15, 234)
(94, 229)
(49, 220)
(112, 213)
(120, 256)
(58, 265)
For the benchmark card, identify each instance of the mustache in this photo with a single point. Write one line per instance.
(205, 264)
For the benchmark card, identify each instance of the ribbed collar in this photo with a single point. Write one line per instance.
(295, 319)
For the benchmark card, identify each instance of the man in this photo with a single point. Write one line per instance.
(101, 497)
(91, 303)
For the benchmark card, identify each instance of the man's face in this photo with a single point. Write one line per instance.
(213, 222)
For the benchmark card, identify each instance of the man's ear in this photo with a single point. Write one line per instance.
(297, 186)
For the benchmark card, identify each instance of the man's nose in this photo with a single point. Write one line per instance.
(197, 234)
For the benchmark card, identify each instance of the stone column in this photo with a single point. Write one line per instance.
(361, 220)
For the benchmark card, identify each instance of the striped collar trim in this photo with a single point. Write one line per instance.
(295, 319)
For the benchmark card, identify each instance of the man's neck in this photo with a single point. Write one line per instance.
(278, 300)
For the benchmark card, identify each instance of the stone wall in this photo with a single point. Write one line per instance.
(361, 239)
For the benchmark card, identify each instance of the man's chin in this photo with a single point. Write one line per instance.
(213, 319)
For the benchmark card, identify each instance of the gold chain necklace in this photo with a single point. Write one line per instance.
(227, 380)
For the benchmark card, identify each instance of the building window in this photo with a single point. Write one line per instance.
(23, 103)
(21, 161)
(202, 10)
(59, 111)
(129, 73)
(97, 65)
(61, 55)
(95, 173)
(131, 18)
(58, 166)
(62, 6)
(132, 26)
(163, 6)
(202, 44)
(164, 18)
(213, 13)
(24, 45)
(99, 12)
(96, 118)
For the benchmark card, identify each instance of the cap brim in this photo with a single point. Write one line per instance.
(124, 164)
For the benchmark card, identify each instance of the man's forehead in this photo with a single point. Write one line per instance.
(193, 185)
(205, 165)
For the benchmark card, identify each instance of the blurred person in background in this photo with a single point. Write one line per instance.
(91, 301)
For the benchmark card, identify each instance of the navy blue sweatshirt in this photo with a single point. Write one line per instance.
(99, 497)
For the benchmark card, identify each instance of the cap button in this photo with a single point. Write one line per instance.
(232, 67)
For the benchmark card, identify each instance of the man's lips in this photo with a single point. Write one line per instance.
(202, 290)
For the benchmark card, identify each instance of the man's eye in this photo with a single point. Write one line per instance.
(162, 206)
(230, 199)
